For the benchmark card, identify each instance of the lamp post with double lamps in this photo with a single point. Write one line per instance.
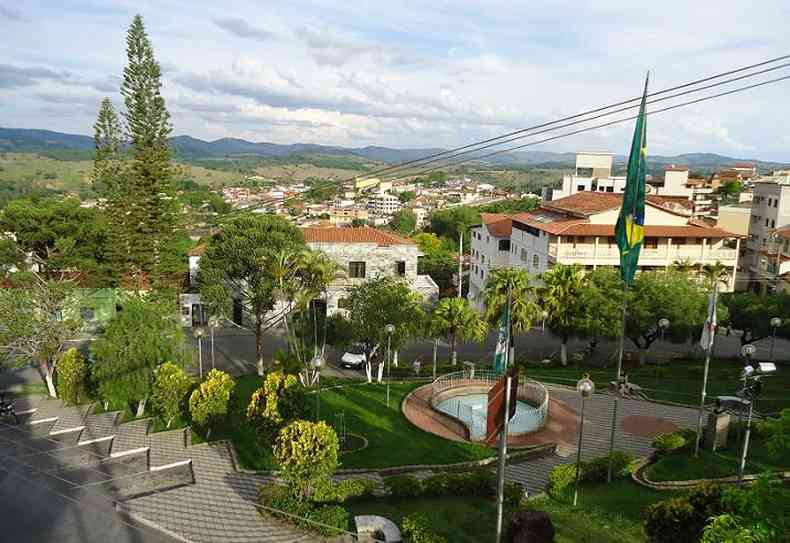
(752, 386)
(776, 322)
(199, 336)
(390, 329)
(586, 388)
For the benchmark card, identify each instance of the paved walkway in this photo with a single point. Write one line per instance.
(214, 502)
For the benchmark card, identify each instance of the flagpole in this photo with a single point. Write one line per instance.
(617, 385)
(711, 340)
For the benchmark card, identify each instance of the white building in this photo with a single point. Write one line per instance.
(593, 174)
(361, 253)
(770, 211)
(579, 229)
(385, 204)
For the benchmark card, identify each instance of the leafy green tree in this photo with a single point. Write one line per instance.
(307, 454)
(725, 528)
(143, 335)
(146, 227)
(407, 196)
(449, 223)
(778, 434)
(752, 313)
(523, 295)
(279, 401)
(437, 261)
(511, 206)
(171, 386)
(244, 262)
(664, 294)
(404, 222)
(208, 403)
(35, 323)
(455, 318)
(72, 378)
(563, 298)
(428, 243)
(61, 235)
(731, 188)
(374, 304)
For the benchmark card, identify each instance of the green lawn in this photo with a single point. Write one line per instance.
(722, 463)
(459, 519)
(605, 514)
(392, 440)
(677, 381)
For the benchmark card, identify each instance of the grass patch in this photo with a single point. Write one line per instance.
(392, 439)
(683, 466)
(459, 519)
(678, 381)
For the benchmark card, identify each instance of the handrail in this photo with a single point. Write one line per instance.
(528, 389)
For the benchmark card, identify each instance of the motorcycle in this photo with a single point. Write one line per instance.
(7, 408)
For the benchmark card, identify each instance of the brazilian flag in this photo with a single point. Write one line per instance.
(630, 229)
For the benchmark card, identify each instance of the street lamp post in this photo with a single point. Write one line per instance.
(317, 363)
(390, 329)
(212, 323)
(199, 336)
(585, 387)
(663, 324)
(747, 351)
(776, 322)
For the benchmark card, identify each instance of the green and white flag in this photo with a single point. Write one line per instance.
(503, 342)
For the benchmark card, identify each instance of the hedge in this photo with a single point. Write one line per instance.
(475, 483)
(415, 529)
(683, 518)
(563, 476)
(278, 501)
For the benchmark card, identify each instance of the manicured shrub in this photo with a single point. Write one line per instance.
(726, 528)
(416, 529)
(279, 401)
(777, 434)
(597, 469)
(276, 501)
(669, 443)
(171, 385)
(72, 378)
(561, 480)
(307, 453)
(209, 402)
(683, 518)
(328, 491)
(513, 494)
(404, 486)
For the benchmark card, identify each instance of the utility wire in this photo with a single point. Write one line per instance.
(603, 125)
(578, 115)
(621, 110)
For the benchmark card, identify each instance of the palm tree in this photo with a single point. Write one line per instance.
(455, 318)
(562, 294)
(684, 265)
(715, 274)
(523, 294)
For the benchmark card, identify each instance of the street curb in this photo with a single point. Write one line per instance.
(639, 476)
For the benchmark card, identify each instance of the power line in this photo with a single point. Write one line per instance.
(621, 110)
(576, 116)
(604, 125)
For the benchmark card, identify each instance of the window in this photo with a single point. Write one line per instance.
(679, 241)
(356, 270)
(400, 267)
(651, 243)
(773, 223)
(776, 203)
(535, 261)
(609, 189)
(86, 313)
(769, 202)
(185, 310)
(504, 244)
(767, 222)
(523, 255)
(580, 188)
(488, 239)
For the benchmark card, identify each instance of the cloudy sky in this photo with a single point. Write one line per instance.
(408, 73)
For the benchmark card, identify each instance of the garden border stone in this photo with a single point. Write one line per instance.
(640, 477)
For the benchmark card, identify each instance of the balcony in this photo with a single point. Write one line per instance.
(606, 255)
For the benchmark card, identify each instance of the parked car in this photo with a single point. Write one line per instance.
(355, 358)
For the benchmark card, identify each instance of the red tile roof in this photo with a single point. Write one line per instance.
(783, 232)
(588, 203)
(499, 225)
(354, 235)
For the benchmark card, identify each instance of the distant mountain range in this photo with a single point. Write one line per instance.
(22, 140)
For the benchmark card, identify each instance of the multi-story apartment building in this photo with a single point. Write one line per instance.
(770, 211)
(579, 229)
(344, 216)
(781, 262)
(735, 218)
(385, 204)
(593, 174)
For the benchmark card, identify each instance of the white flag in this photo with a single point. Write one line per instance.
(709, 330)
